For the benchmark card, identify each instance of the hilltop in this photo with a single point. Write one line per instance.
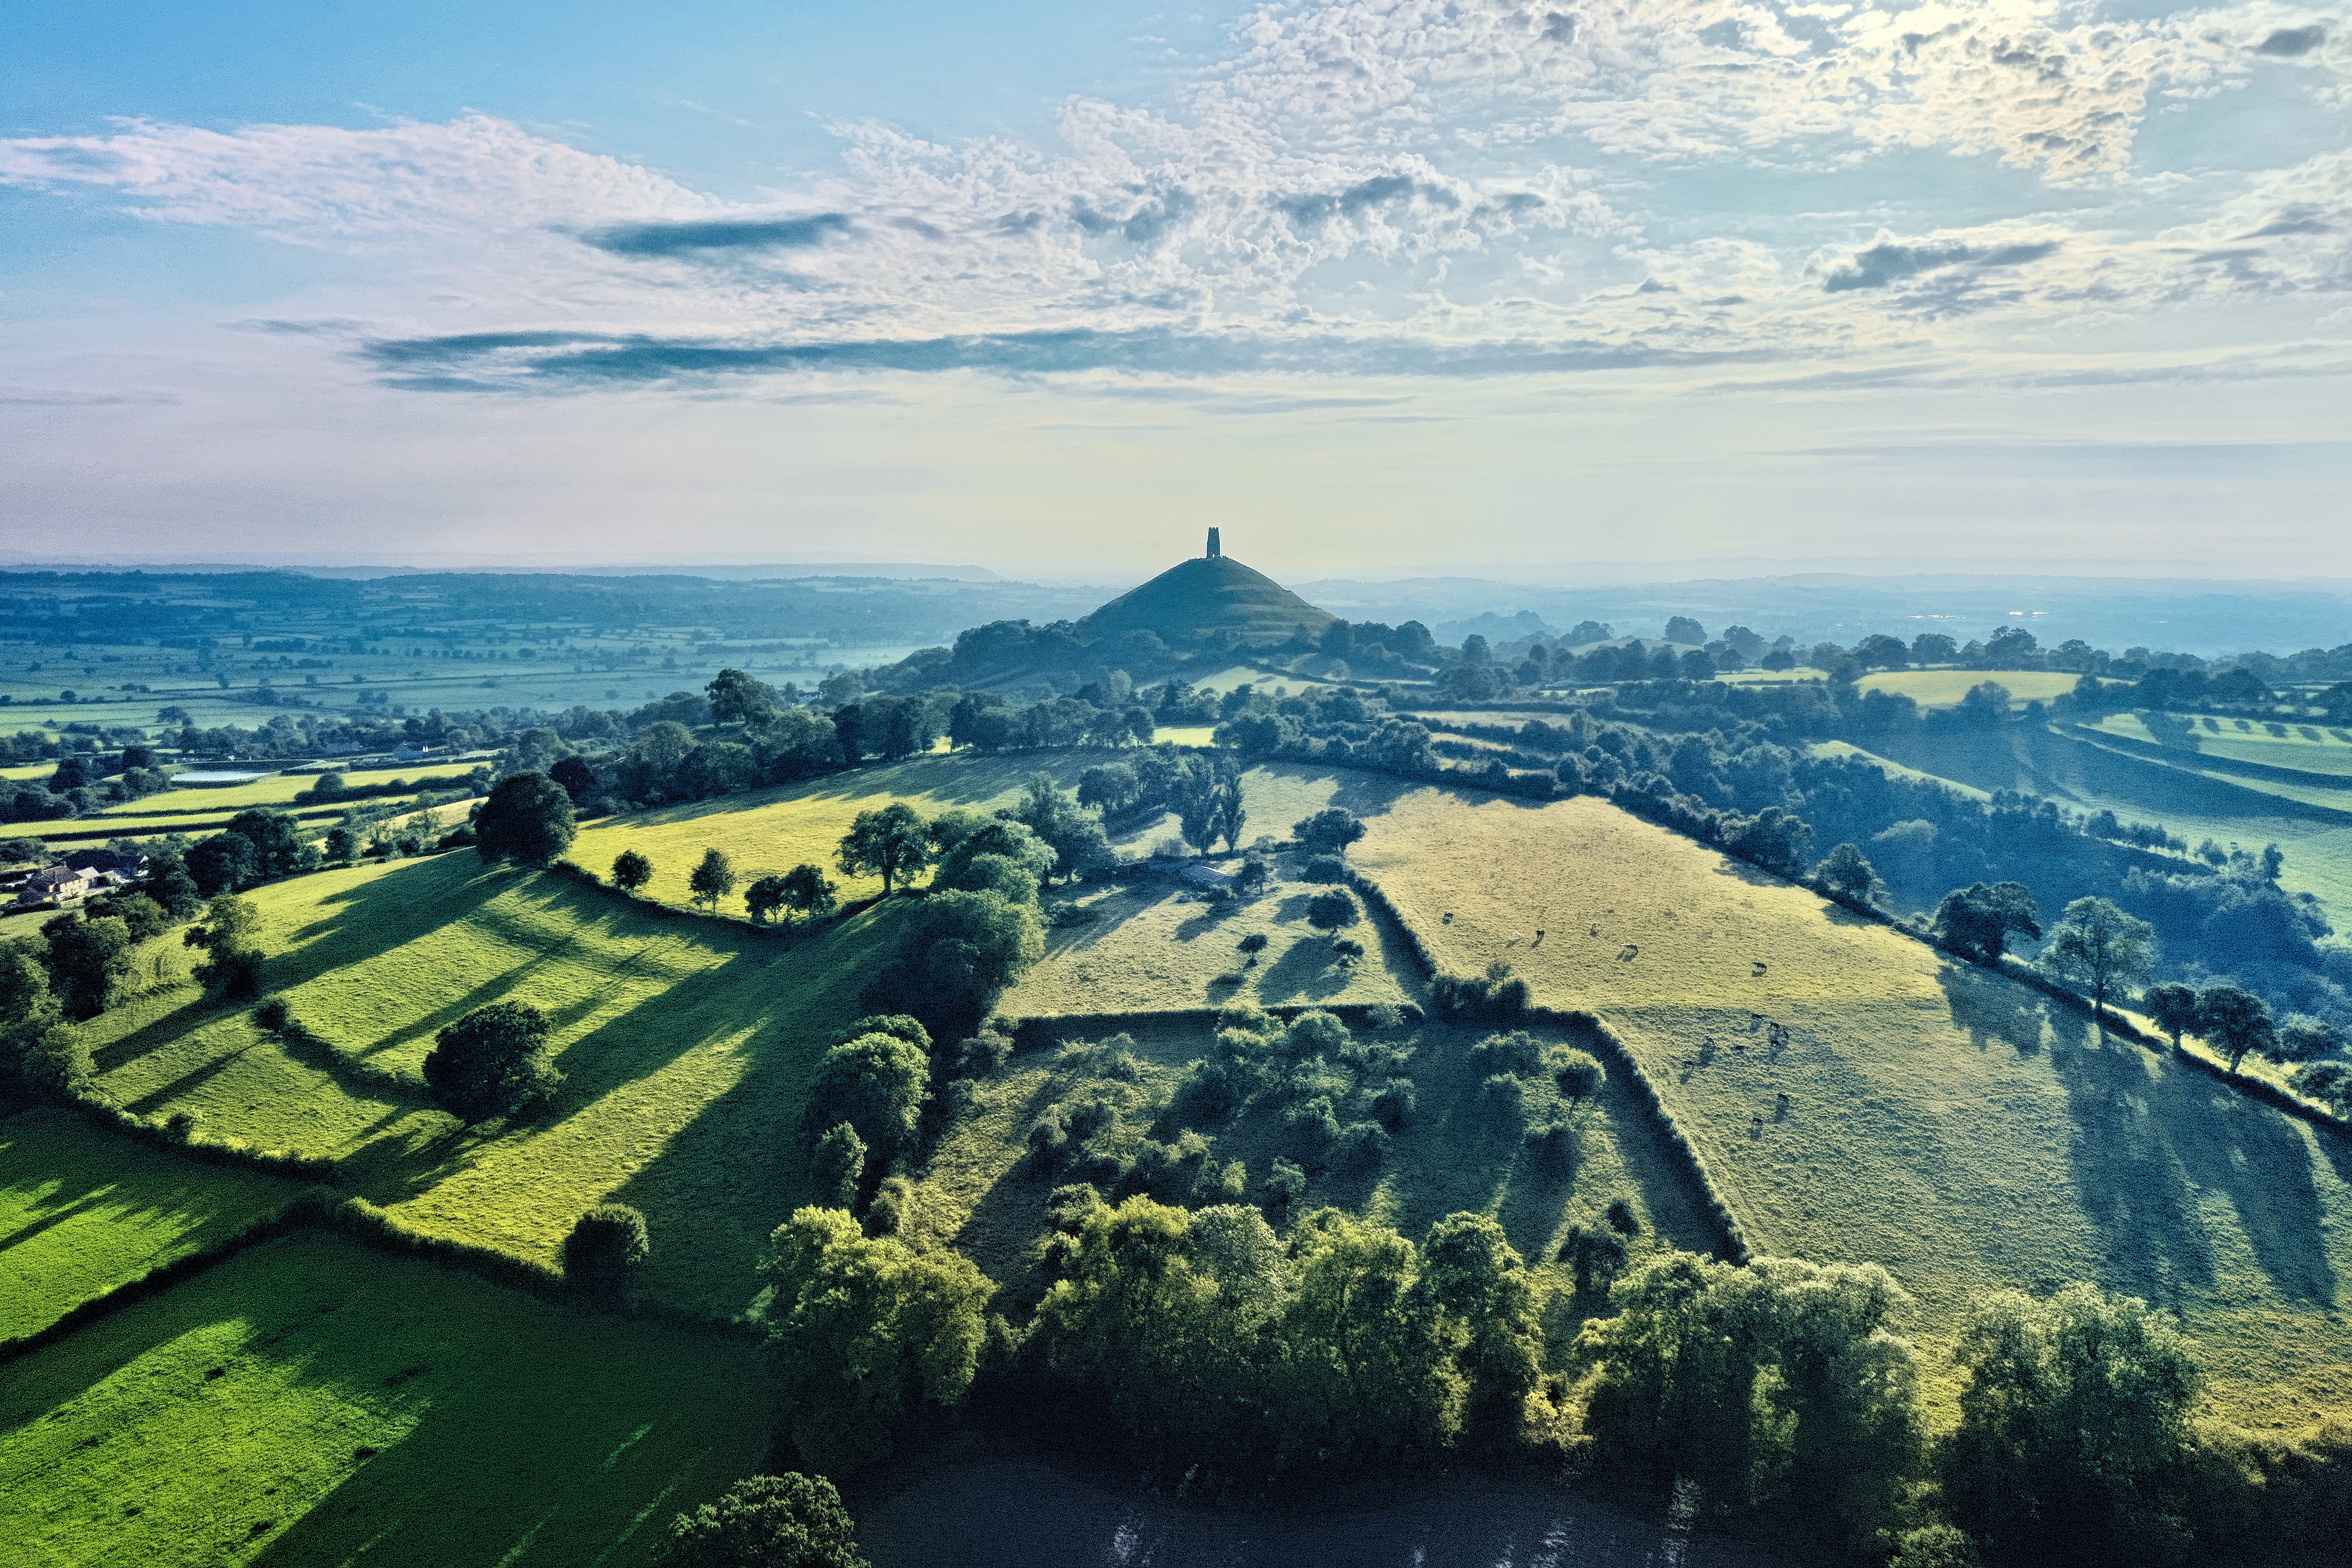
(1210, 598)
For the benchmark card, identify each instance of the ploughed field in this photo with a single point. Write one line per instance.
(1964, 1131)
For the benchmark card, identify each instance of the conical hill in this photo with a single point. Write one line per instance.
(1198, 600)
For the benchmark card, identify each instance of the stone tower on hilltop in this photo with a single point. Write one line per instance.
(1213, 550)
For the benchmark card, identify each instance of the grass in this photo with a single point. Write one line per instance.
(1853, 752)
(1945, 688)
(1957, 1128)
(83, 1210)
(685, 1047)
(279, 789)
(1146, 946)
(310, 1402)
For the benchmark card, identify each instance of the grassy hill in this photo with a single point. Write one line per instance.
(83, 1210)
(1197, 599)
(313, 1401)
(1958, 1128)
(685, 1047)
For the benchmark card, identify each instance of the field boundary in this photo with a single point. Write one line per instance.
(357, 1220)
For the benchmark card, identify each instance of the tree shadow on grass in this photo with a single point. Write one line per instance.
(1987, 1008)
(2153, 1138)
(1308, 968)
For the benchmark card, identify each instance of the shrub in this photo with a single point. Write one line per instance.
(1395, 1103)
(1503, 1099)
(271, 1014)
(893, 1205)
(1578, 1074)
(1555, 1144)
(607, 1244)
(1286, 1184)
(1516, 1052)
(838, 1165)
(1383, 1016)
(494, 1061)
(1501, 998)
(1361, 1143)
(766, 1521)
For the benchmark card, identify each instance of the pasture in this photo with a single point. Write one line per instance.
(311, 1401)
(1959, 1129)
(686, 1046)
(281, 789)
(1945, 688)
(83, 1210)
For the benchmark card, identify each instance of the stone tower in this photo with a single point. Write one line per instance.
(1213, 550)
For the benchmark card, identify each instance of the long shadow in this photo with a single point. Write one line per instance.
(1988, 1009)
(1307, 967)
(2130, 1179)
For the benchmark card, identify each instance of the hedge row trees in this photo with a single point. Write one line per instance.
(873, 1083)
(631, 871)
(2073, 1441)
(230, 938)
(891, 842)
(867, 1334)
(790, 1520)
(1779, 1381)
(712, 879)
(2098, 946)
(803, 890)
(39, 1056)
(527, 818)
(1845, 874)
(494, 1061)
(1977, 922)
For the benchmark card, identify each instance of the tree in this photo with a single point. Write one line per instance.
(37, 1053)
(342, 845)
(1333, 912)
(1329, 831)
(1845, 873)
(866, 1333)
(838, 1163)
(1470, 1273)
(807, 891)
(494, 1061)
(1879, 651)
(2171, 1007)
(230, 935)
(278, 849)
(1578, 1074)
(2235, 1019)
(1773, 838)
(2098, 946)
(713, 879)
(763, 898)
(2302, 1038)
(1977, 922)
(874, 1084)
(962, 947)
(169, 884)
(631, 871)
(527, 818)
(736, 697)
(889, 842)
(1075, 835)
(607, 1244)
(790, 1520)
(577, 779)
(2074, 1418)
(224, 863)
(87, 960)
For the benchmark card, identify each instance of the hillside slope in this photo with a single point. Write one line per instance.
(1958, 1128)
(1194, 601)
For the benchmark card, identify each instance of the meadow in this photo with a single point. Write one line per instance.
(312, 1401)
(83, 1210)
(686, 1046)
(281, 789)
(1944, 688)
(1958, 1128)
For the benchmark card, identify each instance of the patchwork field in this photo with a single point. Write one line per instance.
(310, 1402)
(281, 788)
(1957, 1128)
(83, 1210)
(685, 1044)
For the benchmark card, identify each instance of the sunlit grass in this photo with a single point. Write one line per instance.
(83, 1210)
(311, 1401)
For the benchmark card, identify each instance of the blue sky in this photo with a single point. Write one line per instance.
(1374, 284)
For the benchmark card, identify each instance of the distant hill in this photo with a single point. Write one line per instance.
(1205, 599)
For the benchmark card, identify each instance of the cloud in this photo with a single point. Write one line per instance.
(700, 236)
(1890, 260)
(2291, 42)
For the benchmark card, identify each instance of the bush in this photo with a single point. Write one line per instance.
(1395, 1103)
(607, 1244)
(1594, 1258)
(1516, 1052)
(1578, 1074)
(838, 1165)
(1501, 998)
(893, 1205)
(1555, 1144)
(1622, 1218)
(494, 1061)
(1504, 1099)
(766, 1521)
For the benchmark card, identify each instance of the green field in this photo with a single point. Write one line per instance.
(281, 789)
(83, 1210)
(310, 1402)
(686, 1044)
(1957, 1128)
(1945, 688)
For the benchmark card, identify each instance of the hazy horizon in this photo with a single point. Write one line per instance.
(1373, 284)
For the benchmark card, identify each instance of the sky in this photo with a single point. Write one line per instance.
(1609, 286)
